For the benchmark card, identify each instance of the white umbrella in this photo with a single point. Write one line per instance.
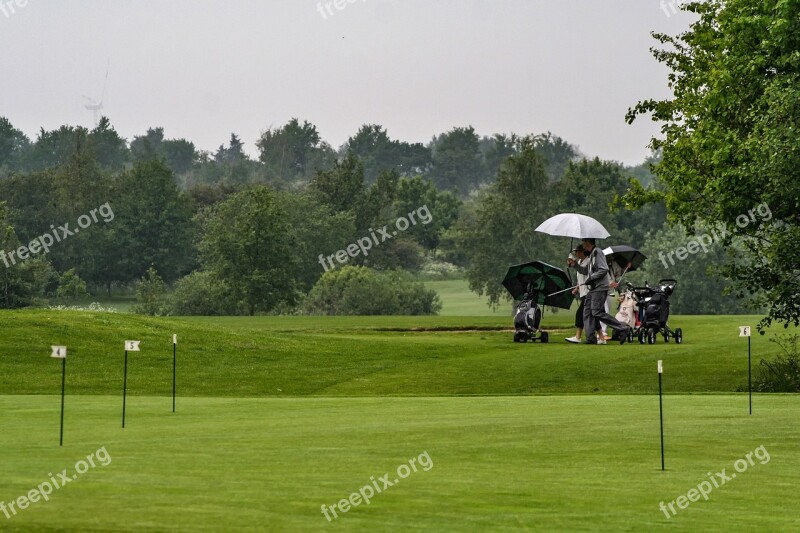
(573, 225)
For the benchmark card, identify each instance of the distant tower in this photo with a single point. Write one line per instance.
(93, 105)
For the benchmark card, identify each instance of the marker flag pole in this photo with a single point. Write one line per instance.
(60, 352)
(749, 375)
(744, 331)
(124, 388)
(134, 347)
(174, 364)
(63, 383)
(661, 411)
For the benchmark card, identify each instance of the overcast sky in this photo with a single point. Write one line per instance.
(203, 69)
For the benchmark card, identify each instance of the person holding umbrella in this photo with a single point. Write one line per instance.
(598, 285)
(578, 256)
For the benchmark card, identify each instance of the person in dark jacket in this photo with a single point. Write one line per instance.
(597, 282)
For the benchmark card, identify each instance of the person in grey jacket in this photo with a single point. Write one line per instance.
(597, 282)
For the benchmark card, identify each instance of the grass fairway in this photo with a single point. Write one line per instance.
(280, 415)
(358, 356)
(458, 300)
(510, 463)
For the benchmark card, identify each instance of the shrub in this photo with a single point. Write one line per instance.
(355, 290)
(782, 374)
(200, 293)
(70, 287)
(150, 294)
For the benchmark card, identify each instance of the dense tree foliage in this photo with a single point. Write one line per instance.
(248, 242)
(372, 145)
(294, 152)
(730, 139)
(195, 232)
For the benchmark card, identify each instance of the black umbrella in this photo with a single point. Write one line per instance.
(623, 254)
(539, 280)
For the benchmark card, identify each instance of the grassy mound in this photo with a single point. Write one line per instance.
(357, 356)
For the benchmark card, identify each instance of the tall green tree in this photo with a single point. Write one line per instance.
(110, 150)
(342, 187)
(557, 153)
(13, 144)
(457, 160)
(180, 155)
(729, 139)
(318, 231)
(54, 148)
(249, 243)
(497, 149)
(294, 152)
(379, 153)
(152, 224)
(439, 213)
(500, 230)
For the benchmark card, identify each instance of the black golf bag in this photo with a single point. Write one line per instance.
(527, 318)
(654, 312)
(657, 312)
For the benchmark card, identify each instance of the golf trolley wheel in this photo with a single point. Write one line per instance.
(651, 336)
(679, 336)
(642, 335)
(666, 335)
(630, 335)
(545, 337)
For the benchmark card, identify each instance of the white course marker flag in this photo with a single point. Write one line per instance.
(59, 352)
(744, 331)
(660, 367)
(132, 346)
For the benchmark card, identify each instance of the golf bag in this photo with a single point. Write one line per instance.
(627, 309)
(527, 317)
(654, 312)
(657, 312)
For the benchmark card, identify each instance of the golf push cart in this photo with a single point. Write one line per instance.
(536, 284)
(654, 312)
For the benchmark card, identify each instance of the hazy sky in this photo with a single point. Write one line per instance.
(203, 69)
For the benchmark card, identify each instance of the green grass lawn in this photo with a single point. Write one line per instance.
(280, 415)
(458, 300)
(547, 463)
(357, 356)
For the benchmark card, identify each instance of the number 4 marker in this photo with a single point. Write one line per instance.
(59, 352)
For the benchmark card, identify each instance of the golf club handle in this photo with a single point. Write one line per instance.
(565, 290)
(623, 275)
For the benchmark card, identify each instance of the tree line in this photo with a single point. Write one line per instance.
(227, 234)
